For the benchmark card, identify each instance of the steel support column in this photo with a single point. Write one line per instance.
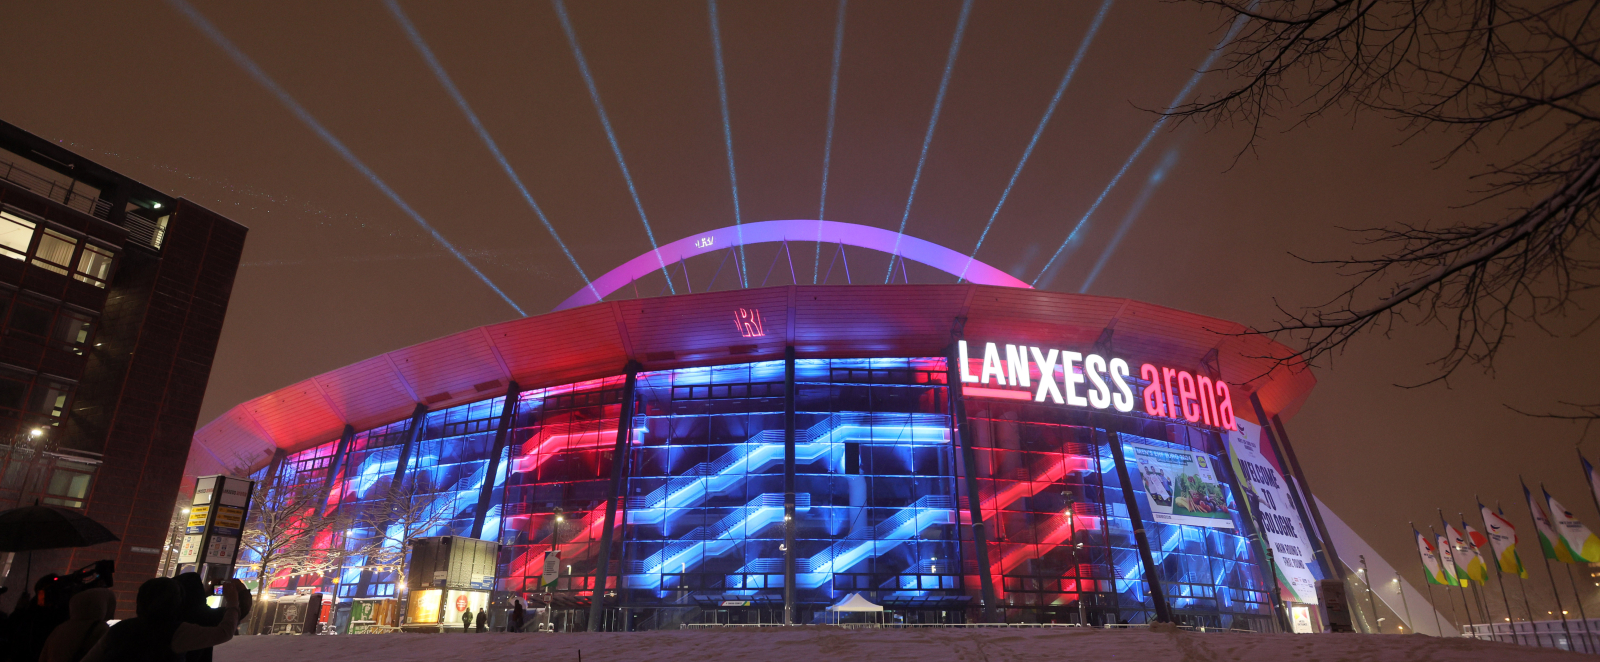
(419, 421)
(1158, 595)
(502, 435)
(337, 461)
(788, 485)
(969, 463)
(619, 471)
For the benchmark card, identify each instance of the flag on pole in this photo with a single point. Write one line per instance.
(1503, 541)
(1547, 533)
(1594, 481)
(1429, 561)
(1469, 545)
(1581, 543)
(1447, 561)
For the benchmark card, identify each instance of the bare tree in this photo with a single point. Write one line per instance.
(405, 512)
(1480, 70)
(283, 530)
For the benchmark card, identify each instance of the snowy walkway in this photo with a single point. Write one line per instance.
(921, 645)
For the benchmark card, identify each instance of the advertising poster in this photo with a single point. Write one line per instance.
(1280, 522)
(1302, 619)
(552, 568)
(1181, 487)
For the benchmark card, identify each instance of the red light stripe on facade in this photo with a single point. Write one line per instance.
(981, 392)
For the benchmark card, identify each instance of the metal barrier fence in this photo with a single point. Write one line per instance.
(1579, 636)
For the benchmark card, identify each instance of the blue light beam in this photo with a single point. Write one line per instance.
(727, 133)
(1077, 58)
(827, 148)
(927, 139)
(204, 25)
(1148, 136)
(483, 134)
(611, 136)
(1168, 160)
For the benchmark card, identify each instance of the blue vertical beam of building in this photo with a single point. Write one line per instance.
(969, 463)
(419, 421)
(619, 471)
(502, 433)
(788, 486)
(1158, 595)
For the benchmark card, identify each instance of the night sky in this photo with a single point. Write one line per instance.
(334, 272)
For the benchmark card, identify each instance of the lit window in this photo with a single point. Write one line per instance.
(68, 487)
(55, 251)
(94, 266)
(50, 399)
(15, 235)
(73, 330)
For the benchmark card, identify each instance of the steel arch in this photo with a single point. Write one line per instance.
(827, 232)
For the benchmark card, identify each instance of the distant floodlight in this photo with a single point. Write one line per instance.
(36, 432)
(155, 205)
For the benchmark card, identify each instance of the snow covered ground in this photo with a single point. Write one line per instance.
(921, 645)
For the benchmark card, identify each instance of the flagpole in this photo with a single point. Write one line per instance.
(1500, 576)
(1455, 618)
(1427, 577)
(1456, 570)
(1560, 611)
(1526, 605)
(1588, 638)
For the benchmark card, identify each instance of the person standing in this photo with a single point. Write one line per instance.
(466, 621)
(71, 640)
(517, 617)
(483, 621)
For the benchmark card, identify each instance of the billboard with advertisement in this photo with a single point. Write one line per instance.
(1181, 487)
(1279, 520)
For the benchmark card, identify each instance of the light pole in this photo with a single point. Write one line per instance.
(1366, 578)
(1401, 589)
(555, 548)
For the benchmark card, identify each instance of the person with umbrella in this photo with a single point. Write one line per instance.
(39, 527)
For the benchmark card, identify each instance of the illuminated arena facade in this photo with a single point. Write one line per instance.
(785, 447)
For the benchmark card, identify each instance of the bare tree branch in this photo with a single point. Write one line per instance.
(1489, 72)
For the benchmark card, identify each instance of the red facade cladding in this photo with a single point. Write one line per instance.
(142, 395)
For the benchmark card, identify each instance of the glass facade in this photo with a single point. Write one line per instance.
(880, 499)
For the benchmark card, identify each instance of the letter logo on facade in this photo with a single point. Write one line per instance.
(1093, 381)
(748, 322)
(704, 242)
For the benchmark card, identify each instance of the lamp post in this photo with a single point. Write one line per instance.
(1401, 589)
(1366, 578)
(555, 548)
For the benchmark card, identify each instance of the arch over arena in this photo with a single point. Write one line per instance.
(827, 232)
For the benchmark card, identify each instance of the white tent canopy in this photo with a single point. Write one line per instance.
(855, 603)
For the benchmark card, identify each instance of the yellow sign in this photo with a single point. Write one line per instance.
(229, 517)
(197, 515)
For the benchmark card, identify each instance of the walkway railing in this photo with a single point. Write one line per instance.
(1584, 635)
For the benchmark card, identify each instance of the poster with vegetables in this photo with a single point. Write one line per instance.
(1181, 487)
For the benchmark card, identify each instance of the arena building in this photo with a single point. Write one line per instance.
(970, 451)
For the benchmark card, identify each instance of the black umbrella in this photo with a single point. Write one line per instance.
(48, 527)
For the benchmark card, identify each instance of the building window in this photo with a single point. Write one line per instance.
(94, 265)
(31, 320)
(55, 252)
(50, 399)
(73, 330)
(15, 235)
(69, 485)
